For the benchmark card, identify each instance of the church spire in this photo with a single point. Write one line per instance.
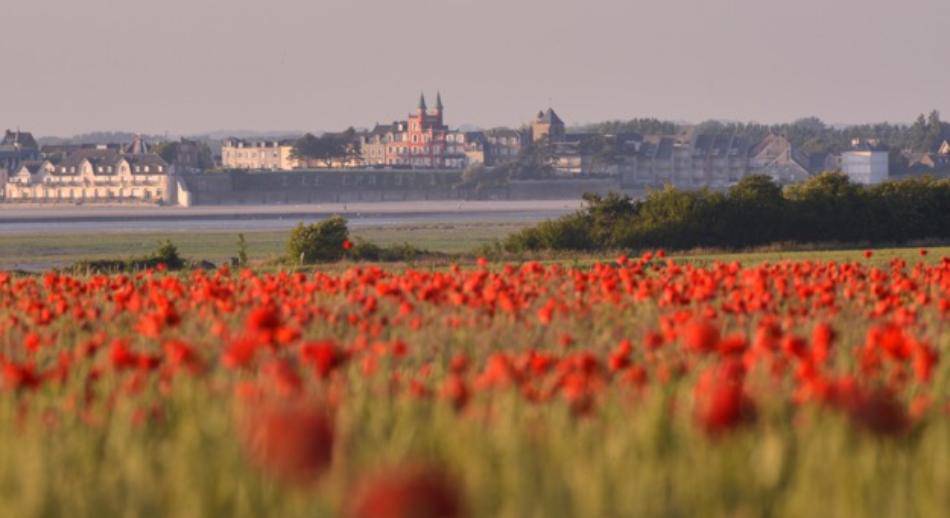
(422, 102)
(438, 101)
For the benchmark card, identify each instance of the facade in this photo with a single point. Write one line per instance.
(425, 142)
(475, 148)
(93, 176)
(715, 161)
(776, 157)
(244, 154)
(866, 163)
(944, 149)
(461, 149)
(422, 141)
(503, 145)
(16, 147)
(685, 160)
(186, 156)
(569, 156)
(375, 144)
(548, 125)
(927, 163)
(700, 161)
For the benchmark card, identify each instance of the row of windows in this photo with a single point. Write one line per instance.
(81, 193)
(109, 169)
(52, 180)
(511, 141)
(402, 150)
(250, 154)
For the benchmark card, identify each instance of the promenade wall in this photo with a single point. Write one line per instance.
(341, 186)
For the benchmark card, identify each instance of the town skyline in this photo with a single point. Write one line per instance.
(249, 132)
(197, 68)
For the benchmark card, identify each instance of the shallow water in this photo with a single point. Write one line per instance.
(92, 219)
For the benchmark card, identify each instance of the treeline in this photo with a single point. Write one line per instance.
(825, 209)
(644, 126)
(328, 147)
(810, 134)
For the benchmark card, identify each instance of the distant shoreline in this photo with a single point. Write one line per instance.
(12, 214)
(70, 218)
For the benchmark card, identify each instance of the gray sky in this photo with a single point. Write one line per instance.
(186, 66)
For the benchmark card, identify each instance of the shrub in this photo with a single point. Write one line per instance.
(318, 242)
(166, 254)
(826, 208)
(366, 251)
(242, 259)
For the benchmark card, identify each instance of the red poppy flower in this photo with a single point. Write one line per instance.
(291, 443)
(408, 492)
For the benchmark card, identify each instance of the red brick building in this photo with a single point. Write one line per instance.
(425, 135)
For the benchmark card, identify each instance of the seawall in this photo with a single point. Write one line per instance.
(349, 186)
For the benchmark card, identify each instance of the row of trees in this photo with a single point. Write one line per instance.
(169, 152)
(329, 147)
(810, 134)
(756, 211)
(644, 126)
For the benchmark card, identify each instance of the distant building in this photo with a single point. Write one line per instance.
(776, 157)
(569, 156)
(821, 162)
(376, 145)
(424, 145)
(422, 141)
(683, 161)
(475, 147)
(944, 148)
(245, 154)
(16, 147)
(548, 125)
(503, 145)
(866, 162)
(93, 176)
(686, 160)
(185, 156)
(138, 146)
(927, 163)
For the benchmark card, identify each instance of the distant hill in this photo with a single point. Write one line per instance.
(99, 137)
(125, 137)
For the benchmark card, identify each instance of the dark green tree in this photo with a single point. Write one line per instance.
(329, 147)
(242, 250)
(318, 242)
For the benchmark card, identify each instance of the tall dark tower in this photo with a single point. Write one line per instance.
(422, 104)
(438, 106)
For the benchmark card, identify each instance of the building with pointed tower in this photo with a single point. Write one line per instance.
(547, 125)
(425, 136)
(422, 141)
(17, 147)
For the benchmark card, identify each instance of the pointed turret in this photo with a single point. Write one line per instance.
(422, 102)
(438, 101)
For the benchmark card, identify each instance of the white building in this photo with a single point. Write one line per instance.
(273, 155)
(91, 176)
(866, 163)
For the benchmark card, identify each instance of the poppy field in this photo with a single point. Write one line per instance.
(627, 387)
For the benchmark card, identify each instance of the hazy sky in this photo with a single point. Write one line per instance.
(185, 66)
